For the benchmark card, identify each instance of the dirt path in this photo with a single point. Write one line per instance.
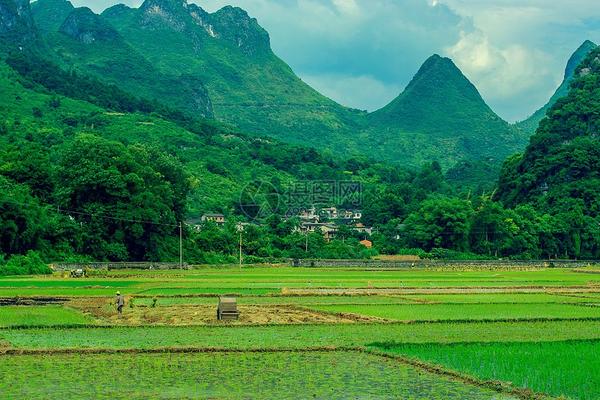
(202, 314)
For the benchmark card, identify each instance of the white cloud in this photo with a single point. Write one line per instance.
(504, 73)
(349, 7)
(361, 92)
(518, 49)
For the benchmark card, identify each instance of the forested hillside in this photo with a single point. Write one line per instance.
(444, 113)
(222, 65)
(92, 168)
(559, 171)
(90, 171)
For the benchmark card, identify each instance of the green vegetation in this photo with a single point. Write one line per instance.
(164, 331)
(265, 280)
(225, 375)
(163, 164)
(502, 298)
(442, 312)
(558, 173)
(296, 300)
(557, 368)
(297, 336)
(221, 64)
(443, 111)
(105, 150)
(40, 316)
(206, 170)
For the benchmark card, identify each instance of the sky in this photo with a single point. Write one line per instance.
(362, 53)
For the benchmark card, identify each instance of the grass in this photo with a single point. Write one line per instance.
(40, 315)
(195, 291)
(296, 336)
(441, 312)
(261, 280)
(507, 298)
(66, 283)
(567, 368)
(281, 375)
(520, 346)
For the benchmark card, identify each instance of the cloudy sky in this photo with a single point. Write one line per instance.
(362, 53)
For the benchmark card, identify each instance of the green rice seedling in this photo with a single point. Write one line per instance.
(568, 368)
(297, 336)
(281, 375)
(462, 312)
(40, 316)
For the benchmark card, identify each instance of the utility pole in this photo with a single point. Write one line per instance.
(180, 245)
(241, 230)
(306, 243)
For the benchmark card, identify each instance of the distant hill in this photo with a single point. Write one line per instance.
(87, 42)
(441, 115)
(230, 53)
(530, 124)
(220, 65)
(49, 15)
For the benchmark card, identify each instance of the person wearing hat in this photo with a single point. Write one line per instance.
(120, 302)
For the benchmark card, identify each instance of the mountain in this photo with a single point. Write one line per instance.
(87, 42)
(49, 15)
(441, 115)
(530, 124)
(88, 169)
(16, 24)
(45, 107)
(560, 169)
(220, 65)
(86, 27)
(249, 86)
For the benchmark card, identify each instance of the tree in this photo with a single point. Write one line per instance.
(127, 199)
(441, 221)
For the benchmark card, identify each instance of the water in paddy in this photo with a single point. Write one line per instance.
(309, 375)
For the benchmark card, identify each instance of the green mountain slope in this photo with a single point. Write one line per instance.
(441, 115)
(81, 175)
(249, 86)
(221, 65)
(86, 42)
(219, 161)
(16, 24)
(530, 124)
(49, 15)
(560, 170)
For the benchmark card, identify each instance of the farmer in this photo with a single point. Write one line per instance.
(120, 302)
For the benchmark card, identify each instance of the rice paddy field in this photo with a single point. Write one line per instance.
(303, 334)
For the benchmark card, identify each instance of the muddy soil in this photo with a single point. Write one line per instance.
(31, 301)
(104, 311)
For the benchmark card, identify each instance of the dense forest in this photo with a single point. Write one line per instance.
(90, 171)
(77, 185)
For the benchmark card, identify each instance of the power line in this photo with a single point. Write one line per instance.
(97, 215)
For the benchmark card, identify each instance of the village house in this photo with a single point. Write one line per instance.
(360, 227)
(328, 212)
(312, 219)
(309, 215)
(218, 219)
(328, 230)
